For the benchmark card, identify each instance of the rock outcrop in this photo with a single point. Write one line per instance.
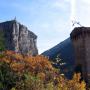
(18, 38)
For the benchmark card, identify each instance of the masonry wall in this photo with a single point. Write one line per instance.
(80, 37)
(80, 56)
(87, 45)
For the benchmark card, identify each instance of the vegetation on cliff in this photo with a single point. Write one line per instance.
(19, 72)
(2, 41)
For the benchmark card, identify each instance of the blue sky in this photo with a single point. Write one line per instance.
(50, 20)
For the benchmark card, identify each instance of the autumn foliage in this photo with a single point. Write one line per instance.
(20, 72)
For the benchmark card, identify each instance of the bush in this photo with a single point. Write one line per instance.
(19, 72)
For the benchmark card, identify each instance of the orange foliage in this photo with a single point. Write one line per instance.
(30, 68)
(19, 62)
(38, 63)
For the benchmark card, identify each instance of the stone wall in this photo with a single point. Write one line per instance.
(18, 38)
(80, 37)
(87, 45)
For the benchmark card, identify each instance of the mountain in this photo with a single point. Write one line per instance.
(18, 37)
(66, 51)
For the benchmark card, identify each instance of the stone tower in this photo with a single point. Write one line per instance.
(80, 37)
(19, 38)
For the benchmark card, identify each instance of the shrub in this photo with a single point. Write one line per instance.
(19, 72)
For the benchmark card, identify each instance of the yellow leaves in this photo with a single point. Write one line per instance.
(38, 63)
(34, 64)
(17, 66)
(18, 56)
(6, 60)
(41, 75)
(74, 84)
(50, 86)
(77, 77)
(83, 85)
(9, 52)
(40, 67)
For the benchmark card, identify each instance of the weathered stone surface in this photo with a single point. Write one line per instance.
(80, 37)
(18, 38)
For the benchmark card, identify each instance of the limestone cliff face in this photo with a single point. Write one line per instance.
(18, 38)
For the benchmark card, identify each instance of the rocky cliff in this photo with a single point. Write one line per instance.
(18, 38)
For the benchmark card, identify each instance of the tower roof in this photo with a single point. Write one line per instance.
(79, 30)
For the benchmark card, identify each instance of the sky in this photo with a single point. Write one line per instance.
(50, 20)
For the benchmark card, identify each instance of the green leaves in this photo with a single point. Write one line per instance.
(33, 73)
(1, 85)
(13, 89)
(2, 41)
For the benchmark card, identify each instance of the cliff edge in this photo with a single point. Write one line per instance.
(18, 38)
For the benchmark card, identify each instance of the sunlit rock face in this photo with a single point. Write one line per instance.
(18, 38)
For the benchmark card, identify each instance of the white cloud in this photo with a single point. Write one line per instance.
(60, 4)
(73, 10)
(83, 12)
(45, 25)
(86, 1)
